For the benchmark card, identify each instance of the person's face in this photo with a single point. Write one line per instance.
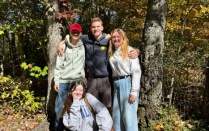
(78, 92)
(96, 29)
(75, 35)
(116, 39)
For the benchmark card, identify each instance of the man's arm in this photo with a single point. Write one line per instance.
(134, 53)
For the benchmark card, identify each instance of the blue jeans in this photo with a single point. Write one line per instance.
(124, 113)
(59, 103)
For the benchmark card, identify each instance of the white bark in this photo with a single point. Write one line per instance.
(152, 52)
(53, 37)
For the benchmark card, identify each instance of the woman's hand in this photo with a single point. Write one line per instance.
(132, 98)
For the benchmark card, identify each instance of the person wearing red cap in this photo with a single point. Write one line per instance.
(69, 67)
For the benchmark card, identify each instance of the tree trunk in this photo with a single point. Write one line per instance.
(152, 60)
(54, 37)
(2, 56)
(206, 96)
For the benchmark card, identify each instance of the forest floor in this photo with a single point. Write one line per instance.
(12, 120)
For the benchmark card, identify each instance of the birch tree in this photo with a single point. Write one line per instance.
(53, 37)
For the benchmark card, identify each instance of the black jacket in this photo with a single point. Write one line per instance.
(96, 55)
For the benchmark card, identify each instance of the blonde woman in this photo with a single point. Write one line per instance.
(126, 75)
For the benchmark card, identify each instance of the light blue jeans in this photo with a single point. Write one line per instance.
(124, 113)
(59, 103)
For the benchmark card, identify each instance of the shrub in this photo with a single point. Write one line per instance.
(18, 94)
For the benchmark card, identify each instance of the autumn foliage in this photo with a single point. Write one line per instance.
(23, 39)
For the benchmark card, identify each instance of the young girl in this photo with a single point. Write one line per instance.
(77, 114)
(126, 74)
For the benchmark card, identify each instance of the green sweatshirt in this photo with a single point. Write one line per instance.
(70, 66)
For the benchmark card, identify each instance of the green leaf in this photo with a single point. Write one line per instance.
(1, 32)
(32, 74)
(37, 75)
(14, 93)
(4, 95)
(24, 65)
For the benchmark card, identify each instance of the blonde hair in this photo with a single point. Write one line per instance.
(124, 46)
(96, 19)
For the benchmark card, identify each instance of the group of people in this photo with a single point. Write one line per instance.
(84, 85)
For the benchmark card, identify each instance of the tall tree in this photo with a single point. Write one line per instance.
(206, 97)
(53, 36)
(18, 19)
(152, 59)
(59, 14)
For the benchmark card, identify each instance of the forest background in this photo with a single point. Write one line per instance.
(174, 98)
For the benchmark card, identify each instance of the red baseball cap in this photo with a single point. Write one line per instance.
(75, 26)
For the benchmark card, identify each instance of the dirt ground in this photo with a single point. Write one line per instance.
(43, 126)
(10, 120)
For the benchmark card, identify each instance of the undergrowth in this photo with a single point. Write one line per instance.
(17, 93)
(20, 108)
(169, 119)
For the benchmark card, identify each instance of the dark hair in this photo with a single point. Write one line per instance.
(69, 99)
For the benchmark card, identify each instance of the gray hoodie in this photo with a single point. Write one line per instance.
(70, 66)
(81, 119)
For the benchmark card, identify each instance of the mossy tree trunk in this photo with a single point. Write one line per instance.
(53, 37)
(152, 60)
(58, 18)
(206, 96)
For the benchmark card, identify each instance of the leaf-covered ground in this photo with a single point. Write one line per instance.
(12, 120)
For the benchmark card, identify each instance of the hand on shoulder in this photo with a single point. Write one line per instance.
(107, 36)
(60, 49)
(133, 53)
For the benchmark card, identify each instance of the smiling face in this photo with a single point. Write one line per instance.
(96, 29)
(77, 93)
(116, 39)
(75, 35)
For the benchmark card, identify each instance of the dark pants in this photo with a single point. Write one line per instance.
(101, 89)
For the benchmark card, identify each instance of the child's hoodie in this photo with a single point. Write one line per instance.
(81, 118)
